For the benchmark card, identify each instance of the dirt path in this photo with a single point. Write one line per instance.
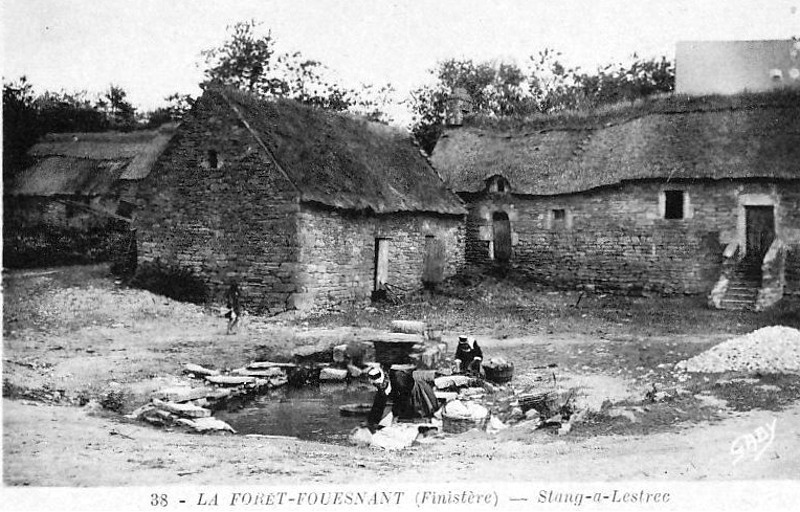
(64, 446)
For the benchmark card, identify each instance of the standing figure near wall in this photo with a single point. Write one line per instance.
(234, 305)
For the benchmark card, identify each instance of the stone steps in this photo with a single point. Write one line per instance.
(743, 288)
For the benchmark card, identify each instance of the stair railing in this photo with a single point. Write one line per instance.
(730, 258)
(773, 276)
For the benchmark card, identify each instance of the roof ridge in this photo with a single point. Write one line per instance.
(512, 134)
(260, 142)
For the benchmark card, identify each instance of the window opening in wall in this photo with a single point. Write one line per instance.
(213, 160)
(125, 209)
(497, 184)
(673, 204)
(559, 215)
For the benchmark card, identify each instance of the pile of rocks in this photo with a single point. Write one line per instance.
(774, 349)
(191, 406)
(187, 415)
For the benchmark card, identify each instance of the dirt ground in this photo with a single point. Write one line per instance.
(72, 335)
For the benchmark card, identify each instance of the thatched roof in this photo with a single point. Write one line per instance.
(341, 160)
(90, 163)
(758, 138)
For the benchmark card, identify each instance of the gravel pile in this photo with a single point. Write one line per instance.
(775, 349)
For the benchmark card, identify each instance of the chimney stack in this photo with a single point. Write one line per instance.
(458, 104)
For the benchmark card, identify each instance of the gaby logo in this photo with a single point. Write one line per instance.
(755, 443)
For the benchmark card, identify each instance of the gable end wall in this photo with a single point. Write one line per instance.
(233, 223)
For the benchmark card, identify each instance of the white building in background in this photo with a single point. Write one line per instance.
(730, 67)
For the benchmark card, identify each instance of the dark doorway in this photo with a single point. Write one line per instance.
(759, 231)
(502, 237)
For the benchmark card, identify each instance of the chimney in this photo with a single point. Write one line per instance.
(458, 104)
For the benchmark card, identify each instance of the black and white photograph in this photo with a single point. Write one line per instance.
(400, 255)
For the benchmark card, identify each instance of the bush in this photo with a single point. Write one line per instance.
(55, 246)
(171, 281)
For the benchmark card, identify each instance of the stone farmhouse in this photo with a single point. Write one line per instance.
(302, 208)
(78, 190)
(681, 194)
(77, 178)
(676, 195)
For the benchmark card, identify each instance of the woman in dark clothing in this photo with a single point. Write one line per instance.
(410, 397)
(469, 356)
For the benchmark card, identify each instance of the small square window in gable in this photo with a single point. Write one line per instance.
(674, 201)
(212, 160)
(558, 218)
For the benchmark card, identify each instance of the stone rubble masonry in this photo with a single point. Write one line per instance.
(243, 221)
(773, 277)
(616, 238)
(232, 223)
(337, 252)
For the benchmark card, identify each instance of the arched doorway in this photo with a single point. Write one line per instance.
(502, 237)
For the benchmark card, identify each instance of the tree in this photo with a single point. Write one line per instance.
(251, 62)
(177, 105)
(20, 125)
(121, 114)
(496, 89)
(545, 86)
(642, 78)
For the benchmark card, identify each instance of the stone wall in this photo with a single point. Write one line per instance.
(235, 222)
(337, 252)
(792, 269)
(790, 202)
(618, 238)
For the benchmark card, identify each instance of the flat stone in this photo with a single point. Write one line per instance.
(257, 365)
(396, 337)
(199, 370)
(229, 380)
(184, 410)
(266, 372)
(409, 326)
(181, 393)
(206, 424)
(333, 374)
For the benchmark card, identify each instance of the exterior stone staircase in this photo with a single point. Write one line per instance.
(743, 287)
(750, 283)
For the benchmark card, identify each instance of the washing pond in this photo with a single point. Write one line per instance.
(310, 413)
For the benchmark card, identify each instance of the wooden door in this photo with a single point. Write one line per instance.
(759, 231)
(502, 237)
(433, 261)
(381, 263)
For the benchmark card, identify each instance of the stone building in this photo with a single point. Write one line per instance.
(675, 195)
(302, 208)
(77, 178)
(78, 186)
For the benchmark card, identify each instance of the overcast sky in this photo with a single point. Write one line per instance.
(152, 47)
